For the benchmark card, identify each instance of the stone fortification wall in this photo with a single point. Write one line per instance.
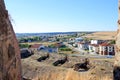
(10, 67)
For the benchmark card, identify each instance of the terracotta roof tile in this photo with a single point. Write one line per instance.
(95, 45)
(105, 44)
(81, 43)
(36, 46)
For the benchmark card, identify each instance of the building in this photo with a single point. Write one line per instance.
(49, 50)
(96, 41)
(83, 45)
(106, 49)
(94, 48)
(59, 44)
(36, 47)
(78, 39)
(71, 40)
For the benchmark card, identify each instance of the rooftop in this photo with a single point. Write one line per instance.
(36, 46)
(95, 45)
(106, 44)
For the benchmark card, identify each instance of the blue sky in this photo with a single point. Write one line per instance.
(63, 15)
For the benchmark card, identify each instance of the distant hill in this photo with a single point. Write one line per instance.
(102, 35)
(19, 35)
(43, 34)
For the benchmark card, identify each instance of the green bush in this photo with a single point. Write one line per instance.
(65, 49)
(51, 46)
(23, 45)
(63, 46)
(112, 42)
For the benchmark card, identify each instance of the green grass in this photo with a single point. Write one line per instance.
(65, 49)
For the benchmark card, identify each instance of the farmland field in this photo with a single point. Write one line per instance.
(104, 35)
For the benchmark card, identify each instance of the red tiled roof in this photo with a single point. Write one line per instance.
(95, 45)
(81, 43)
(35, 46)
(58, 44)
(105, 44)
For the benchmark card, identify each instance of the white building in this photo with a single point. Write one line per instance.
(94, 48)
(71, 40)
(78, 39)
(96, 41)
(106, 49)
(82, 45)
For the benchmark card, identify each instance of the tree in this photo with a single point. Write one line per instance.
(57, 39)
(112, 42)
(36, 38)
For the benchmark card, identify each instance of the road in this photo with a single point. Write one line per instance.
(75, 49)
(85, 53)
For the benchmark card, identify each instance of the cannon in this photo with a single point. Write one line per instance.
(84, 65)
(61, 61)
(43, 58)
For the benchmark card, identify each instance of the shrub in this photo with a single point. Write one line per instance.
(65, 49)
(23, 45)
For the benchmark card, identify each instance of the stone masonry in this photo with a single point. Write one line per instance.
(10, 66)
(116, 71)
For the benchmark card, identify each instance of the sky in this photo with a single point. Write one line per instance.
(37, 16)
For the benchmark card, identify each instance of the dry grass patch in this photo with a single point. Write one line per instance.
(70, 75)
(44, 43)
(105, 35)
(34, 70)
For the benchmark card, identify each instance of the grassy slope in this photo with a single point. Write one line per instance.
(106, 35)
(45, 71)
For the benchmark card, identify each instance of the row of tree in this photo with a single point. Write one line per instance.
(32, 39)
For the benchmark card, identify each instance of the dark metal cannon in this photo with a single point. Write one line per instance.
(61, 61)
(43, 57)
(83, 65)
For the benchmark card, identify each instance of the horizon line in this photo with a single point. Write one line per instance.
(63, 32)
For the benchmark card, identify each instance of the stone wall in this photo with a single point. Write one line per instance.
(10, 66)
(116, 71)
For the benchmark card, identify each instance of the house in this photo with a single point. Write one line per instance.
(74, 44)
(78, 39)
(71, 40)
(83, 45)
(96, 41)
(106, 49)
(44, 38)
(94, 48)
(29, 41)
(37, 47)
(51, 50)
(59, 44)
